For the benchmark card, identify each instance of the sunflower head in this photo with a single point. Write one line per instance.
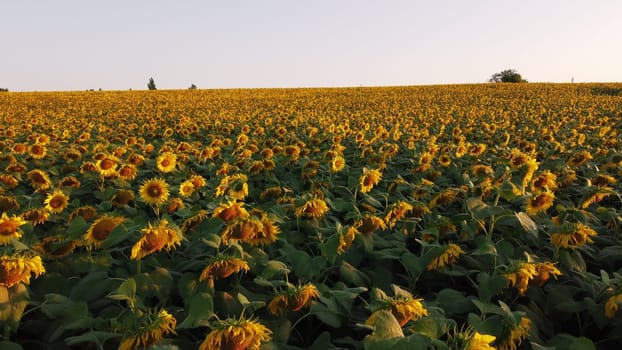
(313, 208)
(166, 162)
(540, 203)
(154, 191)
(18, 268)
(236, 334)
(100, 229)
(369, 179)
(56, 201)
(223, 266)
(9, 228)
(150, 329)
(155, 238)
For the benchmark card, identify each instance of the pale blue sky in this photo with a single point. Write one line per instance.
(77, 45)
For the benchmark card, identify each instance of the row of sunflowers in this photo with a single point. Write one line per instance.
(441, 217)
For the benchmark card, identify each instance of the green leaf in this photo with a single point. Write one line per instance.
(489, 286)
(453, 302)
(200, 308)
(353, 276)
(274, 268)
(92, 287)
(158, 283)
(126, 291)
(118, 235)
(572, 259)
(569, 342)
(91, 337)
(9, 345)
(66, 313)
(323, 343)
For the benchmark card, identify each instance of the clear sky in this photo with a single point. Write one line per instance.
(113, 44)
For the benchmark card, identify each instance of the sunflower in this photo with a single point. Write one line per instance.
(198, 181)
(36, 216)
(69, 181)
(448, 196)
(54, 247)
(17, 268)
(368, 224)
(346, 239)
(256, 167)
(267, 234)
(521, 275)
(8, 203)
(122, 197)
(337, 164)
(579, 158)
(444, 160)
(193, 221)
(154, 191)
(540, 203)
(448, 257)
(292, 299)
(166, 162)
(547, 181)
(15, 167)
(100, 229)
(397, 212)
(613, 305)
(39, 179)
(403, 308)
(241, 229)
(544, 272)
(603, 180)
(240, 334)
(9, 228)
(597, 196)
(156, 238)
(107, 165)
(223, 266)
(56, 201)
(127, 172)
(175, 204)
(480, 341)
(19, 148)
(369, 179)
(87, 212)
(313, 208)
(150, 330)
(37, 151)
(230, 211)
(517, 334)
(186, 188)
(580, 236)
(9, 181)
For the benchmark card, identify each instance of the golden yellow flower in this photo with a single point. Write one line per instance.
(166, 162)
(580, 236)
(521, 276)
(122, 197)
(267, 234)
(54, 247)
(87, 212)
(174, 205)
(150, 331)
(37, 151)
(540, 202)
(368, 224)
(481, 342)
(602, 180)
(39, 179)
(198, 181)
(16, 269)
(517, 334)
(544, 271)
(448, 257)
(19, 148)
(337, 164)
(107, 165)
(292, 299)
(9, 228)
(223, 267)
(8, 203)
(128, 172)
(369, 179)
(448, 196)
(444, 160)
(346, 239)
(603, 192)
(69, 181)
(100, 229)
(233, 334)
(154, 191)
(241, 229)
(579, 158)
(313, 208)
(230, 211)
(36, 216)
(547, 181)
(403, 308)
(56, 201)
(397, 212)
(155, 238)
(9, 181)
(186, 188)
(194, 220)
(613, 305)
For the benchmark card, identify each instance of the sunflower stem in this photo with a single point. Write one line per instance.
(139, 266)
(7, 332)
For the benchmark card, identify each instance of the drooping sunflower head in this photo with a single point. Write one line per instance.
(540, 203)
(404, 308)
(56, 201)
(515, 334)
(39, 179)
(368, 224)
(155, 238)
(313, 208)
(154, 191)
(18, 268)
(242, 229)
(369, 179)
(69, 181)
(547, 181)
(193, 221)
(448, 256)
(397, 212)
(236, 334)
(100, 229)
(54, 247)
(294, 298)
(150, 329)
(36, 216)
(8, 203)
(9, 228)
(223, 266)
(520, 275)
(613, 305)
(230, 211)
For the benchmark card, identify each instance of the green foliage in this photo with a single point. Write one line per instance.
(507, 76)
(151, 84)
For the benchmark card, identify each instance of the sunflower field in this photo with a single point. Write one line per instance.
(433, 217)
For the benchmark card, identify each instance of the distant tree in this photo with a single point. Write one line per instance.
(4, 90)
(192, 87)
(507, 76)
(151, 84)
